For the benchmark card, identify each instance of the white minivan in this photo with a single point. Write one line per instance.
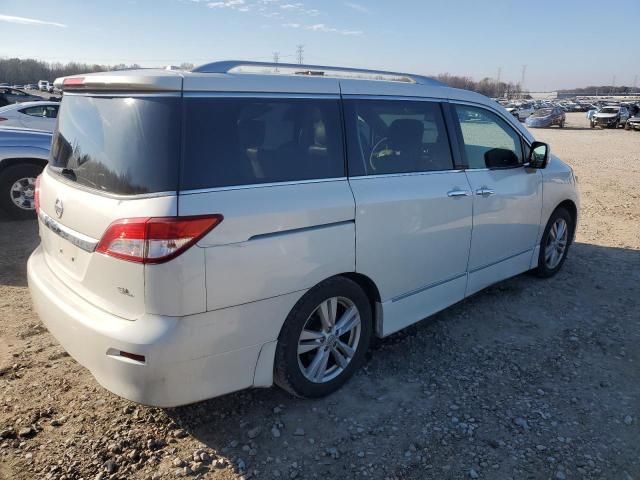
(243, 223)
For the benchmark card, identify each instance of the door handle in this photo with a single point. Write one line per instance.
(458, 193)
(485, 192)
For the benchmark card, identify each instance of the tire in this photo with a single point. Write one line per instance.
(592, 125)
(546, 268)
(626, 126)
(616, 125)
(561, 123)
(8, 178)
(292, 371)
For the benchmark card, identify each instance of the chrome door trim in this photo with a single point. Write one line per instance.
(78, 239)
(117, 196)
(121, 93)
(404, 174)
(275, 95)
(259, 185)
(404, 98)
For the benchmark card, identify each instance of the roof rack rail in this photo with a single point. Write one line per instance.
(239, 66)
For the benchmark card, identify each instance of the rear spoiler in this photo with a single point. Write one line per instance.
(132, 80)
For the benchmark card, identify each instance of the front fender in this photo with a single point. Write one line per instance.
(11, 155)
(558, 185)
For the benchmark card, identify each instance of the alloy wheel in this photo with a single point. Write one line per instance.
(22, 193)
(329, 339)
(556, 243)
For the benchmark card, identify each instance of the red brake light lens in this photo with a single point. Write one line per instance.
(73, 81)
(154, 240)
(36, 195)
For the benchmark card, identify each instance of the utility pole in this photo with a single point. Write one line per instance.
(276, 59)
(524, 71)
(498, 82)
(635, 83)
(613, 84)
(300, 53)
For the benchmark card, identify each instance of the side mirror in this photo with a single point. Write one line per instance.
(539, 155)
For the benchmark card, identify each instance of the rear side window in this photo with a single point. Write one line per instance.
(489, 142)
(46, 111)
(120, 145)
(244, 141)
(396, 136)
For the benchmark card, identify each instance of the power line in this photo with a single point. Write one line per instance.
(300, 54)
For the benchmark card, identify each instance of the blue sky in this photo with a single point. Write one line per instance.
(563, 43)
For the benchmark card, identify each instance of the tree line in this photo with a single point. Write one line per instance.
(18, 71)
(487, 86)
(602, 90)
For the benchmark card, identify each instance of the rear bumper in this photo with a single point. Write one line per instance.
(183, 363)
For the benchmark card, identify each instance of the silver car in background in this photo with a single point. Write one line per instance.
(34, 115)
(23, 155)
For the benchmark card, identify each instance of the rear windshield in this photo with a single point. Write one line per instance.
(120, 145)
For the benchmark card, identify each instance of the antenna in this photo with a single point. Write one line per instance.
(300, 54)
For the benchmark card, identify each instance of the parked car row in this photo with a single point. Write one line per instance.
(541, 113)
(615, 115)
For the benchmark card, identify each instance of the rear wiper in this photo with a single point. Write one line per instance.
(68, 173)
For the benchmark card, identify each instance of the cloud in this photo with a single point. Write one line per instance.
(321, 27)
(357, 7)
(299, 8)
(238, 5)
(29, 21)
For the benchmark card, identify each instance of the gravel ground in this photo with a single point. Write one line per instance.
(528, 379)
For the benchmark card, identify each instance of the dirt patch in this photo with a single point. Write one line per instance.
(530, 379)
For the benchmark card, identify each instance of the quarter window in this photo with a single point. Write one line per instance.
(396, 136)
(489, 142)
(46, 111)
(242, 141)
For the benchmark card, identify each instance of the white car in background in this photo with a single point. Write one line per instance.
(35, 115)
(522, 111)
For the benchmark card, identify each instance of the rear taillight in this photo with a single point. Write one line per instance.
(154, 240)
(73, 81)
(36, 195)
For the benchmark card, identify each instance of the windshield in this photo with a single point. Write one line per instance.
(121, 145)
(610, 110)
(543, 112)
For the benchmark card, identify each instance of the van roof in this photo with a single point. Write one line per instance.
(244, 76)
